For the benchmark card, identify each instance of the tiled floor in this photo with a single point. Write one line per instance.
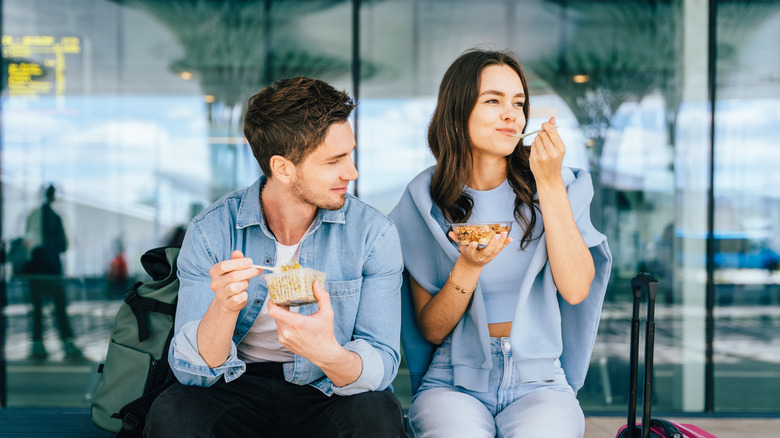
(606, 427)
(75, 422)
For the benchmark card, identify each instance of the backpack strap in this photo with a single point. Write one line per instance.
(133, 414)
(140, 305)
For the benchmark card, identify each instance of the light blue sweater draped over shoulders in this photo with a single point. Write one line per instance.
(429, 256)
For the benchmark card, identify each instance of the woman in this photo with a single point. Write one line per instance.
(512, 323)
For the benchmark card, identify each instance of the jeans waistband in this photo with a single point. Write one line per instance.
(265, 369)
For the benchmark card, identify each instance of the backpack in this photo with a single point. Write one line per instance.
(17, 255)
(136, 368)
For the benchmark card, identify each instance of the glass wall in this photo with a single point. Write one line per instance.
(746, 203)
(123, 119)
(130, 114)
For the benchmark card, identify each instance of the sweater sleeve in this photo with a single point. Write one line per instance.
(580, 322)
(417, 350)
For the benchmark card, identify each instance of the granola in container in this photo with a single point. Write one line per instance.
(293, 286)
(480, 232)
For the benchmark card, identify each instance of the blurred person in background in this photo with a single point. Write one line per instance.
(45, 237)
(117, 275)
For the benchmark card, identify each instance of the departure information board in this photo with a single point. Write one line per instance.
(37, 64)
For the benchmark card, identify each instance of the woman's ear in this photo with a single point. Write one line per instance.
(282, 168)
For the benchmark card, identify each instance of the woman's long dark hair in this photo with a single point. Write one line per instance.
(450, 143)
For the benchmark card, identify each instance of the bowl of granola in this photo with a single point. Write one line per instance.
(293, 286)
(480, 232)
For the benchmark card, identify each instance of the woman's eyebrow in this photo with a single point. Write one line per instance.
(499, 93)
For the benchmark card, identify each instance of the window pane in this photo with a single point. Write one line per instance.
(747, 208)
(609, 98)
(132, 111)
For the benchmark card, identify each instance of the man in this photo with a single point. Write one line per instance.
(248, 367)
(45, 236)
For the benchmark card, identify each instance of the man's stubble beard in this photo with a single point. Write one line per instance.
(306, 195)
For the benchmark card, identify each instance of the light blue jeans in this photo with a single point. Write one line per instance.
(509, 408)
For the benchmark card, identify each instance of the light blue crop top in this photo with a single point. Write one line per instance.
(500, 279)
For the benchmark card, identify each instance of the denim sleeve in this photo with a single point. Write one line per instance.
(190, 368)
(377, 332)
(195, 296)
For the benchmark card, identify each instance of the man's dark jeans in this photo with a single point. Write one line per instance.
(261, 403)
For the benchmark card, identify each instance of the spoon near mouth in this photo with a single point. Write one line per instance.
(527, 134)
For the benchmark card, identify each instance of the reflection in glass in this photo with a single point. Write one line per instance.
(747, 209)
(132, 110)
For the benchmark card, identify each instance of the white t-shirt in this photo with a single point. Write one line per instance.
(261, 344)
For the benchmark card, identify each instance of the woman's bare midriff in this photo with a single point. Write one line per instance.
(500, 329)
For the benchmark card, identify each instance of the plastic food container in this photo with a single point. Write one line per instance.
(293, 287)
(480, 232)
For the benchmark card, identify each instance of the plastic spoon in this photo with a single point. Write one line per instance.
(268, 268)
(528, 133)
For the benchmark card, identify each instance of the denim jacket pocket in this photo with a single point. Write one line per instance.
(344, 295)
(345, 301)
(343, 288)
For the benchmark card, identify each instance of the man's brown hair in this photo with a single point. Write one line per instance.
(290, 118)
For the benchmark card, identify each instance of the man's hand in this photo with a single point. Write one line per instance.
(308, 336)
(312, 337)
(230, 279)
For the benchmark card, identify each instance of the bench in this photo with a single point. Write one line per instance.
(49, 422)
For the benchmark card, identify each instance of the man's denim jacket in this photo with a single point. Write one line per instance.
(358, 248)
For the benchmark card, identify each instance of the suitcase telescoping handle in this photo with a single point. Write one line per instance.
(648, 282)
